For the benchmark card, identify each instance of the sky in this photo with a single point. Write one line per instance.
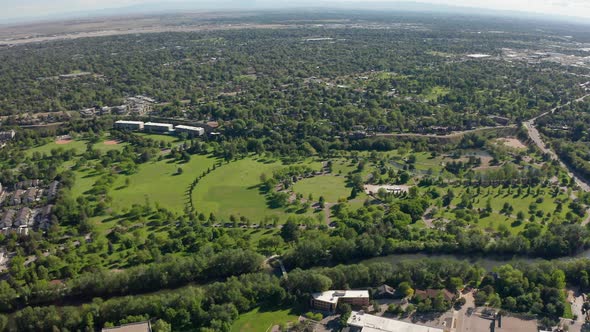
(14, 9)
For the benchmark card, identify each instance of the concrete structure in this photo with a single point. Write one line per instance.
(155, 127)
(361, 322)
(328, 300)
(134, 327)
(129, 125)
(192, 131)
(120, 110)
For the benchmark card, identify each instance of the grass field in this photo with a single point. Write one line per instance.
(436, 92)
(330, 186)
(159, 183)
(234, 189)
(261, 321)
(78, 145)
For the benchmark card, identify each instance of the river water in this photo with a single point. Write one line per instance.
(487, 262)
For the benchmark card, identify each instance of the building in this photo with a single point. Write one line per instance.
(7, 135)
(129, 125)
(328, 300)
(384, 292)
(7, 219)
(154, 127)
(23, 217)
(88, 112)
(133, 327)
(192, 131)
(52, 192)
(432, 293)
(120, 110)
(361, 322)
(17, 197)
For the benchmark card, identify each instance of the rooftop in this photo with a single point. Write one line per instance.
(370, 323)
(129, 122)
(156, 124)
(188, 127)
(135, 327)
(332, 296)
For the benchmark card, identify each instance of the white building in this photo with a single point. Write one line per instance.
(328, 300)
(158, 127)
(129, 125)
(369, 323)
(192, 131)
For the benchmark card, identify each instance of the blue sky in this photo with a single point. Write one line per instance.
(11, 9)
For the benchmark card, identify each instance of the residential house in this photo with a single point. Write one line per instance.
(432, 293)
(30, 195)
(52, 192)
(384, 292)
(23, 217)
(7, 219)
(16, 198)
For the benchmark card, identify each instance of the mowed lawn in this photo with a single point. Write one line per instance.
(330, 186)
(233, 189)
(78, 145)
(261, 321)
(159, 183)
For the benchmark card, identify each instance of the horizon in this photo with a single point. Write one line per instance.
(574, 11)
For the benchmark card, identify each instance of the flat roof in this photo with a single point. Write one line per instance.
(156, 124)
(370, 323)
(189, 127)
(130, 122)
(134, 327)
(332, 296)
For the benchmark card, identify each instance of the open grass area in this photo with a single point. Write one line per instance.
(159, 183)
(434, 93)
(78, 145)
(159, 137)
(330, 186)
(258, 320)
(233, 189)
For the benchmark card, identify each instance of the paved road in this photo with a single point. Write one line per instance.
(536, 138)
(453, 134)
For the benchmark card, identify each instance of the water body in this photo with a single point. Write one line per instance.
(487, 262)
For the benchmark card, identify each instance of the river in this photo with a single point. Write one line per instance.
(488, 262)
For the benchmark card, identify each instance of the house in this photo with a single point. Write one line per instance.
(43, 217)
(30, 195)
(191, 131)
(7, 135)
(129, 125)
(361, 322)
(23, 217)
(384, 292)
(7, 219)
(133, 327)
(432, 293)
(119, 110)
(52, 192)
(328, 300)
(154, 127)
(88, 112)
(17, 197)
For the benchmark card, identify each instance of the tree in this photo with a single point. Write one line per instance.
(161, 326)
(290, 231)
